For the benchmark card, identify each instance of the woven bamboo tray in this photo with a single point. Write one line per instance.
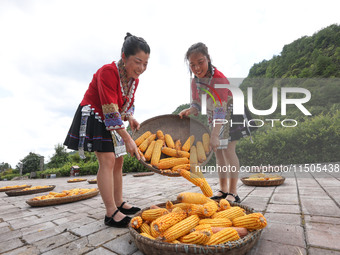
(81, 180)
(92, 181)
(8, 189)
(143, 174)
(153, 247)
(28, 192)
(178, 128)
(250, 182)
(61, 200)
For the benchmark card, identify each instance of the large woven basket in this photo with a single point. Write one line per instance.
(263, 183)
(154, 247)
(17, 188)
(81, 180)
(28, 192)
(61, 200)
(178, 128)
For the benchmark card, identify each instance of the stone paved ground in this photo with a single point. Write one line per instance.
(303, 216)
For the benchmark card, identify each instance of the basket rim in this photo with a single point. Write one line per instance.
(28, 192)
(26, 186)
(248, 182)
(61, 200)
(161, 172)
(228, 246)
(82, 180)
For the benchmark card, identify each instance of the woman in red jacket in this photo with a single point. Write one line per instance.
(223, 139)
(98, 124)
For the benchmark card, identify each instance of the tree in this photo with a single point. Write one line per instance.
(59, 158)
(4, 166)
(30, 163)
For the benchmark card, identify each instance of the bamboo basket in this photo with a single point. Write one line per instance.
(263, 183)
(28, 192)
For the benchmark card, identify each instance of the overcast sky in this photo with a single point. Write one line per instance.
(49, 51)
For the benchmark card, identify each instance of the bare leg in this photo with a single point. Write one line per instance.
(233, 160)
(118, 183)
(222, 163)
(105, 182)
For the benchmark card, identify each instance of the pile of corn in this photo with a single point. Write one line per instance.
(197, 219)
(264, 177)
(64, 193)
(36, 187)
(13, 187)
(178, 158)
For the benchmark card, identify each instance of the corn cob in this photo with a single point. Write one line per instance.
(206, 142)
(251, 221)
(242, 232)
(224, 204)
(156, 154)
(166, 159)
(160, 135)
(171, 162)
(202, 227)
(147, 235)
(188, 143)
(193, 156)
(223, 236)
(175, 153)
(209, 208)
(154, 233)
(206, 189)
(152, 214)
(181, 228)
(141, 154)
(178, 145)
(136, 222)
(182, 166)
(232, 213)
(196, 209)
(183, 206)
(193, 178)
(145, 228)
(146, 142)
(166, 221)
(196, 237)
(141, 139)
(200, 152)
(149, 151)
(169, 141)
(193, 198)
(216, 222)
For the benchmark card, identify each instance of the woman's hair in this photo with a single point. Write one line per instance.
(133, 44)
(198, 48)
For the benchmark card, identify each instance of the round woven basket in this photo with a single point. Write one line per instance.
(28, 192)
(26, 186)
(250, 182)
(178, 129)
(92, 181)
(82, 180)
(154, 247)
(61, 200)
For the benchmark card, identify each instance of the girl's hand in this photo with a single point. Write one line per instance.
(131, 148)
(214, 142)
(134, 124)
(187, 112)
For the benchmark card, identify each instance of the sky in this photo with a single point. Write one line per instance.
(50, 49)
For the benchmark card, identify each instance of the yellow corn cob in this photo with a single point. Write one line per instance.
(200, 152)
(182, 166)
(145, 228)
(206, 141)
(154, 233)
(202, 227)
(209, 208)
(160, 135)
(193, 198)
(136, 222)
(146, 142)
(181, 228)
(183, 206)
(196, 209)
(166, 159)
(178, 145)
(216, 222)
(193, 178)
(251, 221)
(153, 214)
(156, 154)
(193, 156)
(141, 139)
(171, 162)
(169, 141)
(188, 143)
(224, 204)
(206, 189)
(223, 236)
(175, 153)
(166, 221)
(196, 237)
(147, 235)
(149, 151)
(232, 213)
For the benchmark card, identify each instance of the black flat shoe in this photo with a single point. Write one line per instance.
(224, 195)
(237, 198)
(132, 210)
(109, 221)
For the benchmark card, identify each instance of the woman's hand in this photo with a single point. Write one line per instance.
(134, 124)
(214, 142)
(187, 112)
(131, 148)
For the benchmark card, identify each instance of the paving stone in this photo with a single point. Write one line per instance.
(78, 246)
(42, 234)
(5, 229)
(10, 235)
(101, 251)
(277, 208)
(265, 247)
(105, 235)
(323, 235)
(284, 233)
(55, 241)
(122, 245)
(312, 206)
(25, 250)
(262, 192)
(10, 245)
(286, 190)
(37, 228)
(284, 199)
(328, 182)
(285, 218)
(322, 219)
(315, 192)
(318, 251)
(89, 228)
(258, 203)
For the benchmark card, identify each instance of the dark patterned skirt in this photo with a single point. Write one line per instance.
(88, 131)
